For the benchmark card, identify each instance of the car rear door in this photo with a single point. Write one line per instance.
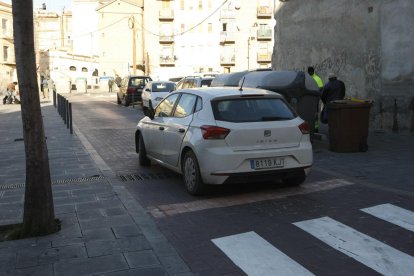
(176, 127)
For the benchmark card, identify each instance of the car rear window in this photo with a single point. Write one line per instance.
(163, 87)
(206, 82)
(252, 110)
(138, 82)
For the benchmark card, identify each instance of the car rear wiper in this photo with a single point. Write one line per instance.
(275, 118)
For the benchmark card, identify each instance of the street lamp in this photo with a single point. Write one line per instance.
(248, 44)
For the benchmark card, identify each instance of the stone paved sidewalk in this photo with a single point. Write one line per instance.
(104, 230)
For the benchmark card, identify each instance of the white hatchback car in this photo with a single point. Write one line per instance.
(155, 91)
(221, 135)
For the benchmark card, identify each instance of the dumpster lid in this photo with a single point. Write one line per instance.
(346, 103)
(289, 83)
(229, 79)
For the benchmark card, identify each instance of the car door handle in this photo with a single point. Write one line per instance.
(161, 128)
(181, 130)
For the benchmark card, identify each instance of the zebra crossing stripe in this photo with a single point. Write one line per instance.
(366, 250)
(255, 256)
(393, 214)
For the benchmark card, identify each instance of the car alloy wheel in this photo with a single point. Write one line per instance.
(192, 177)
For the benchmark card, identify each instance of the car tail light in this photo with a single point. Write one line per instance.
(214, 132)
(131, 90)
(304, 128)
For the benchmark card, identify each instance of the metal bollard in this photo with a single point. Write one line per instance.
(70, 118)
(67, 113)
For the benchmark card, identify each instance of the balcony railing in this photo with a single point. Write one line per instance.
(227, 14)
(264, 34)
(227, 60)
(166, 38)
(166, 14)
(227, 37)
(167, 60)
(264, 12)
(264, 57)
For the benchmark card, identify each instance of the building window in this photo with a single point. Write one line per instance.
(5, 53)
(4, 25)
(210, 28)
(84, 69)
(165, 4)
(72, 68)
(210, 6)
(182, 6)
(200, 5)
(182, 28)
(200, 28)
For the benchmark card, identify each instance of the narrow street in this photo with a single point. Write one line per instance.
(352, 216)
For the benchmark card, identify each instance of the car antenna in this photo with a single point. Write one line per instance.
(241, 86)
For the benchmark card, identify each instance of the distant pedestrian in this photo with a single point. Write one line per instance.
(110, 84)
(11, 95)
(317, 79)
(45, 88)
(118, 80)
(332, 91)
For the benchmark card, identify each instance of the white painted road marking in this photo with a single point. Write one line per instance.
(393, 214)
(256, 256)
(220, 202)
(371, 252)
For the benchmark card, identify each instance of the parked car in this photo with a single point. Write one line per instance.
(155, 91)
(194, 81)
(130, 89)
(223, 135)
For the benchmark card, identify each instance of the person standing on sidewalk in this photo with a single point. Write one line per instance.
(110, 84)
(45, 89)
(10, 93)
(332, 91)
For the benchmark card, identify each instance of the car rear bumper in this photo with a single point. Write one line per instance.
(262, 176)
(221, 165)
(133, 97)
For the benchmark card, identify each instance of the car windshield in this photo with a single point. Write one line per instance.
(163, 87)
(252, 110)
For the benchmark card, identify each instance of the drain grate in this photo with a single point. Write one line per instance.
(147, 176)
(57, 181)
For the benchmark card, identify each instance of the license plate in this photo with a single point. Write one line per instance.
(267, 163)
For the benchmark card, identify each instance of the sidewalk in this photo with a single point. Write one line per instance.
(104, 230)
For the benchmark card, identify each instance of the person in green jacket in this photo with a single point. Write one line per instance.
(317, 79)
(320, 84)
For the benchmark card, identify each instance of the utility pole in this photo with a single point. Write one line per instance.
(131, 25)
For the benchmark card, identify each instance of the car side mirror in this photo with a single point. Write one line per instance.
(148, 90)
(149, 112)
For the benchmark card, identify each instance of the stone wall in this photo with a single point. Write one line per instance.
(368, 44)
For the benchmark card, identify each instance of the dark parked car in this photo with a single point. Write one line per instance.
(130, 89)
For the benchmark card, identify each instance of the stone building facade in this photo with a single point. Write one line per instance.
(368, 44)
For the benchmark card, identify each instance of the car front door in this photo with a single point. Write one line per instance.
(176, 127)
(156, 127)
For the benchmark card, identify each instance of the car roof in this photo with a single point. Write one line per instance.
(214, 92)
(143, 77)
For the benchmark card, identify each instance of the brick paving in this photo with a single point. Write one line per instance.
(104, 230)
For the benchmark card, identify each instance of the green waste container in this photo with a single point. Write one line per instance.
(348, 122)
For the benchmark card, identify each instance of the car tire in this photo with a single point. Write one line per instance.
(295, 180)
(143, 159)
(126, 103)
(192, 177)
(118, 100)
